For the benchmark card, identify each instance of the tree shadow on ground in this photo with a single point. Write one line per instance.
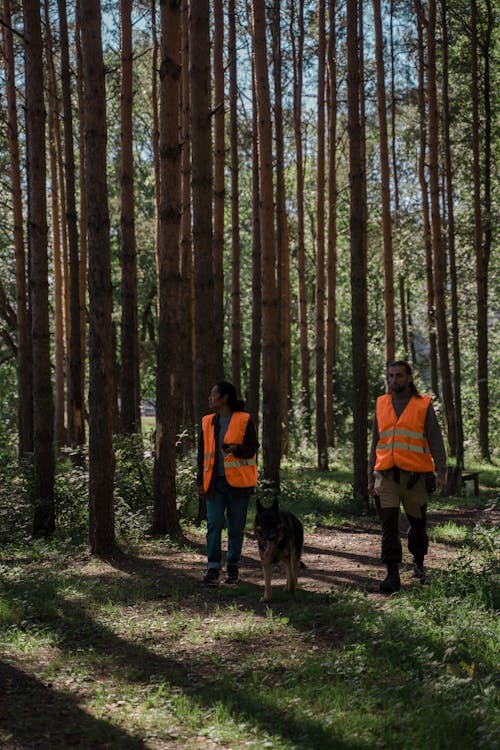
(34, 716)
(77, 633)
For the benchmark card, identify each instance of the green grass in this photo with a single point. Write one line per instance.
(126, 657)
(123, 654)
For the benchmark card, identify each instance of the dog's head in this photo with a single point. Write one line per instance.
(269, 528)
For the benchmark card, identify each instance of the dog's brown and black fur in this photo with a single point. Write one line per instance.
(280, 536)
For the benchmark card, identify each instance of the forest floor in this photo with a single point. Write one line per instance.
(132, 652)
(335, 557)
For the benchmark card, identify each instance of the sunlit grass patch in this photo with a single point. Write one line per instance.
(449, 533)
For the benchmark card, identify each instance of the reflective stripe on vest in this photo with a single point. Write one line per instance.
(402, 440)
(239, 472)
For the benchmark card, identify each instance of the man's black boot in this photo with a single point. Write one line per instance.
(391, 582)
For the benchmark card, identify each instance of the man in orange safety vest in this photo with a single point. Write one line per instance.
(407, 447)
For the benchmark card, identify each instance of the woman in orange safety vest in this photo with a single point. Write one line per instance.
(227, 475)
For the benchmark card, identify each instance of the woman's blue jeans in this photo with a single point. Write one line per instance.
(220, 504)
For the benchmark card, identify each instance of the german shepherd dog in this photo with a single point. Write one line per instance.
(280, 536)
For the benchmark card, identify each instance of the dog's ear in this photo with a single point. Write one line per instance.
(276, 504)
(259, 505)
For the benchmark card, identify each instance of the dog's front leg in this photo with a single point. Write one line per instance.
(266, 569)
(292, 566)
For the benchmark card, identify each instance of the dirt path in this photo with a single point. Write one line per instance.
(335, 557)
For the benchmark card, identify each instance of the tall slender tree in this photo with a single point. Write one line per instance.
(24, 356)
(482, 238)
(450, 220)
(357, 228)
(219, 182)
(53, 142)
(297, 40)
(390, 337)
(321, 442)
(43, 408)
(101, 375)
(271, 423)
(235, 203)
(256, 336)
(422, 155)
(439, 261)
(283, 249)
(165, 518)
(186, 322)
(331, 326)
(206, 368)
(76, 425)
(129, 370)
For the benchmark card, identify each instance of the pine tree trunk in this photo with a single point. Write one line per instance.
(101, 375)
(481, 245)
(390, 336)
(283, 257)
(186, 322)
(331, 326)
(53, 114)
(457, 379)
(165, 519)
(24, 359)
(357, 225)
(76, 429)
(254, 381)
(439, 261)
(219, 184)
(431, 317)
(298, 56)
(206, 368)
(43, 408)
(129, 387)
(83, 213)
(321, 442)
(235, 204)
(271, 424)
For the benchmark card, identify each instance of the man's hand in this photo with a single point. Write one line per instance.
(371, 488)
(200, 490)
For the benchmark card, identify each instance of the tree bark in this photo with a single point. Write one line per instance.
(331, 326)
(254, 382)
(271, 423)
(457, 375)
(282, 236)
(482, 239)
(298, 56)
(165, 519)
(101, 376)
(235, 204)
(24, 354)
(186, 323)
(43, 408)
(321, 443)
(76, 427)
(439, 261)
(219, 183)
(83, 212)
(431, 316)
(206, 369)
(54, 156)
(357, 225)
(129, 368)
(390, 336)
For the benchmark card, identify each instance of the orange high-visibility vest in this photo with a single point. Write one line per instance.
(402, 440)
(240, 472)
